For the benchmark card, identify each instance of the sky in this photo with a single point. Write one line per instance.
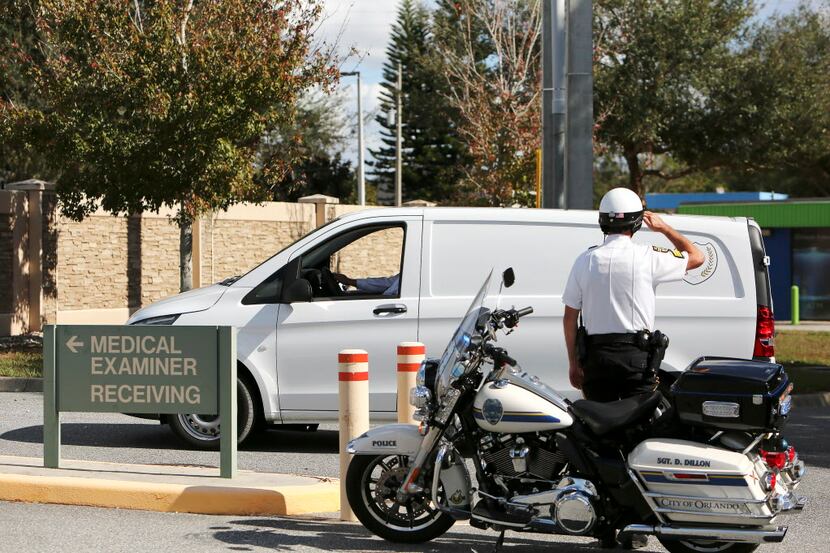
(365, 26)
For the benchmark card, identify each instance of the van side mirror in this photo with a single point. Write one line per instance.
(508, 277)
(297, 291)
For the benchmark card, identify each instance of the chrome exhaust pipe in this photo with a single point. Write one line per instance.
(737, 535)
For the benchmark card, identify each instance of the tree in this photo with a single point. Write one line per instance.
(18, 37)
(310, 146)
(656, 66)
(774, 108)
(163, 103)
(491, 56)
(432, 154)
(320, 174)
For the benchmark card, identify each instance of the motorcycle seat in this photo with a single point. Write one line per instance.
(603, 418)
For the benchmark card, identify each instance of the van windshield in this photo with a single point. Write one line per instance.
(229, 281)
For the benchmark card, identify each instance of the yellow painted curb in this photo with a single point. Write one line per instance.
(153, 496)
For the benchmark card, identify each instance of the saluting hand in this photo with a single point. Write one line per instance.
(655, 222)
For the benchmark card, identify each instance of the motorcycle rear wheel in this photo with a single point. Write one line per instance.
(371, 484)
(700, 546)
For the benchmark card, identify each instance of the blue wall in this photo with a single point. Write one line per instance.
(779, 249)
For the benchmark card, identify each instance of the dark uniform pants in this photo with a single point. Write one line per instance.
(616, 371)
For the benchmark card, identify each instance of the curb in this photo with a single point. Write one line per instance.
(321, 497)
(165, 488)
(12, 384)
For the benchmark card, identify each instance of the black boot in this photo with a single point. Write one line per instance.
(608, 541)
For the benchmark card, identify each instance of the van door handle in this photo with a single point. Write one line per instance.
(394, 308)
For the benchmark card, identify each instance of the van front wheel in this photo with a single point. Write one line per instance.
(202, 431)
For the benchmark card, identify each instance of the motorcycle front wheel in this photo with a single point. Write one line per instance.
(700, 546)
(372, 483)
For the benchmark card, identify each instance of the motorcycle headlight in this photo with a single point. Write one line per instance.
(427, 373)
(420, 396)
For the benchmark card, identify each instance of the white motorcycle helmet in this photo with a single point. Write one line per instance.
(620, 210)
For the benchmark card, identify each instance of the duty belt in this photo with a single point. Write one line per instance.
(614, 338)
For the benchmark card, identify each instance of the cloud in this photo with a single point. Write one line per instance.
(360, 25)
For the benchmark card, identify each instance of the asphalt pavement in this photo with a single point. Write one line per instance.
(118, 438)
(123, 439)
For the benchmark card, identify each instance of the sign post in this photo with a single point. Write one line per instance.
(226, 354)
(140, 369)
(51, 415)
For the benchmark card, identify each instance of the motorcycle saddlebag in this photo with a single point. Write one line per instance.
(733, 394)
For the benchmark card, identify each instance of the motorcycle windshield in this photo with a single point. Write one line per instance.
(451, 367)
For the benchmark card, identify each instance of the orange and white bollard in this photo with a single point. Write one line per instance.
(353, 377)
(410, 355)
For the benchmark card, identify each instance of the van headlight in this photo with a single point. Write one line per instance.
(160, 320)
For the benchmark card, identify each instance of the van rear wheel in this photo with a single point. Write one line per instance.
(202, 431)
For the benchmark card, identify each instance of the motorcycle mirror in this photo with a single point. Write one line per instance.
(508, 277)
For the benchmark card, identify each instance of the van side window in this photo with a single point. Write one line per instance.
(357, 264)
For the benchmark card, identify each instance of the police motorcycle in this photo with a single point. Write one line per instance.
(702, 466)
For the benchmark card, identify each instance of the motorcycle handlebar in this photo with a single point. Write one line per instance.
(511, 317)
(522, 312)
(499, 356)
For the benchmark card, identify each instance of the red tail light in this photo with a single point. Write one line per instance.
(791, 454)
(764, 332)
(775, 459)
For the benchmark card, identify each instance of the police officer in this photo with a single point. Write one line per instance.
(612, 286)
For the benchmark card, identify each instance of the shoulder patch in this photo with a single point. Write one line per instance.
(675, 252)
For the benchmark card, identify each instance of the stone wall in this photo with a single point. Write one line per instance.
(14, 271)
(6, 260)
(107, 262)
(124, 263)
(233, 247)
(49, 223)
(375, 255)
(156, 261)
(92, 263)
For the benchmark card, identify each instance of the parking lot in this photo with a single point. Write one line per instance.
(119, 438)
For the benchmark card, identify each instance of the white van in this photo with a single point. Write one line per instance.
(293, 318)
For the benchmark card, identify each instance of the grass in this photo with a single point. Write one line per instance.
(802, 348)
(21, 364)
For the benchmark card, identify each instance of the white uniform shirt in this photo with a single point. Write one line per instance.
(387, 286)
(613, 284)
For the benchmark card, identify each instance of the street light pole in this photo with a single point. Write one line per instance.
(361, 182)
(398, 142)
(553, 104)
(579, 118)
